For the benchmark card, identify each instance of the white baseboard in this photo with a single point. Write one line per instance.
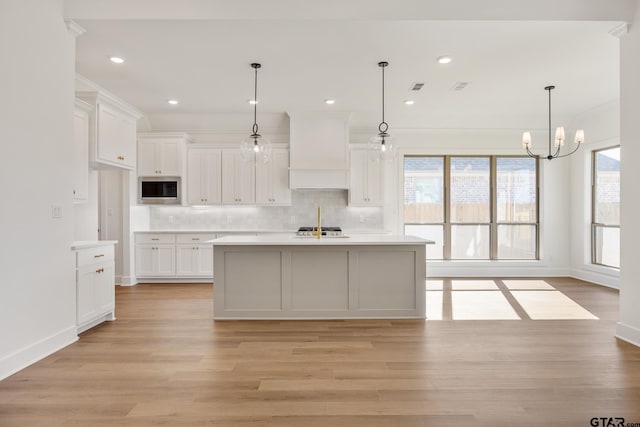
(498, 269)
(126, 281)
(176, 280)
(597, 278)
(628, 333)
(32, 353)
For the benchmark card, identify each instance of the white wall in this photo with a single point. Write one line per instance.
(602, 130)
(85, 215)
(37, 292)
(629, 325)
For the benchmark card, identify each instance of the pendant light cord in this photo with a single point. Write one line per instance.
(549, 89)
(255, 98)
(382, 94)
(383, 126)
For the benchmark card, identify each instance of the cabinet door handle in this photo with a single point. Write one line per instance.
(120, 157)
(195, 238)
(100, 270)
(98, 256)
(153, 238)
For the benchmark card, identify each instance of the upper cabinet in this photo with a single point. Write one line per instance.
(112, 131)
(161, 154)
(204, 176)
(238, 179)
(367, 180)
(272, 179)
(81, 151)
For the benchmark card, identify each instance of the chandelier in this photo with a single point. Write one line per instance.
(558, 141)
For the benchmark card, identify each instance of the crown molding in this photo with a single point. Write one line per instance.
(100, 93)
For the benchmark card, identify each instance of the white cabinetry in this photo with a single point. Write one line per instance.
(367, 180)
(272, 179)
(95, 286)
(238, 179)
(161, 154)
(204, 184)
(155, 255)
(193, 257)
(112, 131)
(81, 151)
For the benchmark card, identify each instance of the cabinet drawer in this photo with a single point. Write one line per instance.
(156, 238)
(194, 238)
(93, 255)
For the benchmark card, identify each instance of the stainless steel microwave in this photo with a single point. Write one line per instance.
(161, 190)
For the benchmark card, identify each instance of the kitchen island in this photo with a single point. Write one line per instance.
(292, 277)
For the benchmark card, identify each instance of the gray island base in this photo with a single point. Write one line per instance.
(289, 277)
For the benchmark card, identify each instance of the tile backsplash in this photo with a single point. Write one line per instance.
(302, 211)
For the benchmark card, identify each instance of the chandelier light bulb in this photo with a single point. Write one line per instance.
(559, 136)
(579, 136)
(526, 140)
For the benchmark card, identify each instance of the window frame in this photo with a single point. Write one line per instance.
(493, 224)
(595, 225)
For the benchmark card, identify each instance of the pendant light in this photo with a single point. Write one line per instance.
(381, 146)
(558, 140)
(255, 145)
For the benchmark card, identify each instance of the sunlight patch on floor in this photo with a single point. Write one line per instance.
(481, 305)
(524, 285)
(434, 305)
(550, 305)
(473, 285)
(434, 285)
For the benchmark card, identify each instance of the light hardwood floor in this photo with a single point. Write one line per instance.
(165, 362)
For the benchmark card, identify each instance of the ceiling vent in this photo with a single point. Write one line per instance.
(416, 86)
(460, 85)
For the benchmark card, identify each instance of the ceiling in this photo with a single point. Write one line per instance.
(205, 65)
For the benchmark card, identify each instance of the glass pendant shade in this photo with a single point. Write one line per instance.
(257, 146)
(382, 148)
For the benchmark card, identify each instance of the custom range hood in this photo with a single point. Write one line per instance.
(319, 153)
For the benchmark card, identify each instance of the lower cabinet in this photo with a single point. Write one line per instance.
(174, 256)
(155, 260)
(95, 286)
(194, 260)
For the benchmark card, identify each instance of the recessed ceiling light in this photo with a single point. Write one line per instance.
(173, 101)
(330, 101)
(409, 102)
(253, 101)
(444, 59)
(116, 60)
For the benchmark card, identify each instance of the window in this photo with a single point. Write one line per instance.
(605, 212)
(473, 207)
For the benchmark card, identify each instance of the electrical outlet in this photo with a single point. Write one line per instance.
(292, 219)
(56, 211)
(170, 219)
(228, 219)
(361, 219)
(109, 211)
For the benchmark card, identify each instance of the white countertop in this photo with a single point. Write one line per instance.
(245, 230)
(215, 231)
(293, 240)
(86, 244)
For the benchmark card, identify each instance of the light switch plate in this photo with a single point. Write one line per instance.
(56, 211)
